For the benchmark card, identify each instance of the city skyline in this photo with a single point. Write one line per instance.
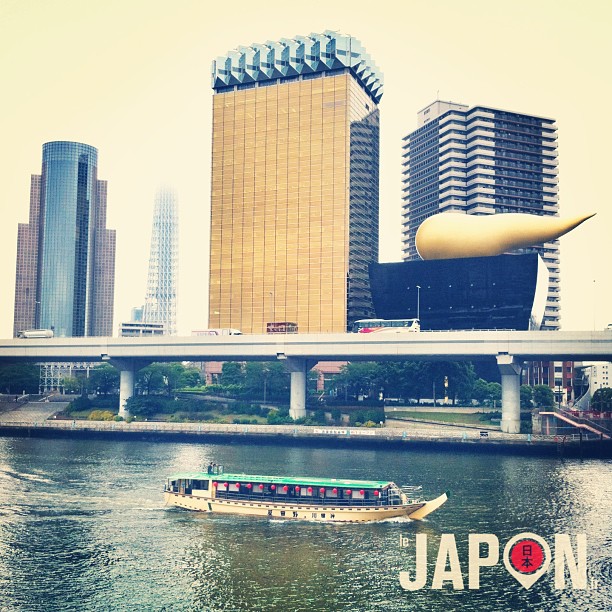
(151, 119)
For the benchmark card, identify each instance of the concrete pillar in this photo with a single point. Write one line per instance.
(297, 405)
(126, 389)
(127, 377)
(510, 370)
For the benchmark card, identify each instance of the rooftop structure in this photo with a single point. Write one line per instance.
(290, 58)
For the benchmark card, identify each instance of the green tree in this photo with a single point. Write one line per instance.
(602, 400)
(74, 384)
(360, 378)
(461, 379)
(104, 379)
(480, 391)
(232, 373)
(401, 378)
(486, 393)
(19, 377)
(543, 396)
(150, 380)
(526, 397)
(190, 377)
(495, 392)
(271, 376)
(173, 374)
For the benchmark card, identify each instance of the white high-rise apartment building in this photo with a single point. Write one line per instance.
(160, 300)
(482, 161)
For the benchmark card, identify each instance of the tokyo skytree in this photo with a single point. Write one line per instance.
(160, 300)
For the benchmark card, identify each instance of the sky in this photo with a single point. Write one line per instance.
(132, 78)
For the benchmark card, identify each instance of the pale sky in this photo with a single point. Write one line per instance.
(132, 78)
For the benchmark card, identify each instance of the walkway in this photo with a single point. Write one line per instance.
(32, 412)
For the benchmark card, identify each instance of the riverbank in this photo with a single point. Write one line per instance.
(408, 437)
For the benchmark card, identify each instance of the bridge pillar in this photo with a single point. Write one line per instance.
(297, 405)
(127, 377)
(510, 370)
(126, 390)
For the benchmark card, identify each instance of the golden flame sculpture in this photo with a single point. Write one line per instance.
(457, 235)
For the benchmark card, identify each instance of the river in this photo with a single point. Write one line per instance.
(83, 527)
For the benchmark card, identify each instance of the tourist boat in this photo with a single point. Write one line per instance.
(310, 499)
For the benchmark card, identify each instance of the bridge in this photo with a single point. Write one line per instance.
(300, 352)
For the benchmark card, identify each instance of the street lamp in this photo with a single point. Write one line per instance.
(418, 302)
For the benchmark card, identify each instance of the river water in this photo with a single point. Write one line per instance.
(83, 527)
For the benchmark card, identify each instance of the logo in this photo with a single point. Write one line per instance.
(526, 556)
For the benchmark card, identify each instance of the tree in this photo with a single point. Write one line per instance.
(269, 376)
(461, 378)
(495, 392)
(173, 373)
(150, 380)
(360, 378)
(526, 396)
(232, 373)
(74, 384)
(480, 392)
(402, 378)
(190, 377)
(104, 379)
(486, 393)
(602, 400)
(19, 377)
(543, 396)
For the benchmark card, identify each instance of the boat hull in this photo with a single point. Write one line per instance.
(302, 512)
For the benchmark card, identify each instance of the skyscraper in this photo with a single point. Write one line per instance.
(294, 204)
(65, 255)
(160, 300)
(482, 161)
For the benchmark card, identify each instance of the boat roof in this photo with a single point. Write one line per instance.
(290, 480)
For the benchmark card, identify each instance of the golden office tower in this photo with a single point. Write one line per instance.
(294, 206)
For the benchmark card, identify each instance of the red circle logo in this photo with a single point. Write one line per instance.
(527, 556)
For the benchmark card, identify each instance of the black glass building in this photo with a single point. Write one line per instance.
(503, 292)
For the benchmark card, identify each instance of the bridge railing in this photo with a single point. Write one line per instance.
(585, 421)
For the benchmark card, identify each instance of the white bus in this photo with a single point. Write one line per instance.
(218, 331)
(367, 326)
(35, 333)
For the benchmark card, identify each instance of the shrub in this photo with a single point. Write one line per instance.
(79, 404)
(101, 415)
(279, 417)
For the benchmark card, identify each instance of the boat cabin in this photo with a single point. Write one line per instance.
(319, 491)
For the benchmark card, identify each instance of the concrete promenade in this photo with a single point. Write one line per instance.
(405, 436)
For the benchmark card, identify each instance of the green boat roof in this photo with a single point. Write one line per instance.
(304, 480)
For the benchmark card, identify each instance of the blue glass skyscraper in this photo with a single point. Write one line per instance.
(65, 255)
